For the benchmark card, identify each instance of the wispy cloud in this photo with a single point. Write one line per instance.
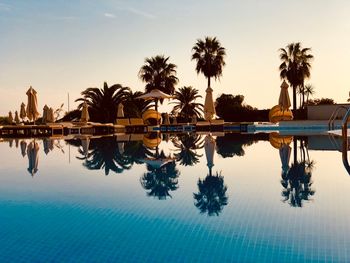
(137, 12)
(109, 15)
(140, 13)
(5, 7)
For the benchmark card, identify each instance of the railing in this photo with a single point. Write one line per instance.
(345, 141)
(335, 115)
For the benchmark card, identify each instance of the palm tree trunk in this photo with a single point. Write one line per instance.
(294, 98)
(303, 95)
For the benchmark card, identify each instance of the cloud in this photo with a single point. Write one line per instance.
(109, 15)
(140, 13)
(5, 7)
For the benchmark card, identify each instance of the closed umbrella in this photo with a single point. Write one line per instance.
(45, 111)
(17, 121)
(209, 148)
(33, 157)
(10, 117)
(209, 107)
(32, 105)
(284, 101)
(194, 118)
(155, 94)
(48, 145)
(120, 112)
(166, 119)
(50, 115)
(85, 113)
(23, 145)
(23, 113)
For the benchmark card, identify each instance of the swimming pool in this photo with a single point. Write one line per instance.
(107, 200)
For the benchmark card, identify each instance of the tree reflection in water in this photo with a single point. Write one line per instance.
(211, 197)
(161, 180)
(296, 180)
(187, 144)
(104, 154)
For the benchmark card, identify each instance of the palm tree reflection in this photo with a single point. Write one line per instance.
(296, 180)
(159, 181)
(103, 153)
(187, 144)
(211, 197)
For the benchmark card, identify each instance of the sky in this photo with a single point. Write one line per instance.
(62, 47)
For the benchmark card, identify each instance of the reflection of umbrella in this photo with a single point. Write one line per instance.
(151, 142)
(209, 108)
(155, 94)
(284, 100)
(17, 121)
(85, 143)
(45, 110)
(156, 163)
(85, 113)
(23, 147)
(10, 142)
(50, 116)
(120, 112)
(285, 151)
(48, 145)
(209, 147)
(32, 105)
(166, 119)
(23, 113)
(33, 157)
(277, 140)
(121, 147)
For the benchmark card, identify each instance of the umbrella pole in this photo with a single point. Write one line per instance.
(156, 105)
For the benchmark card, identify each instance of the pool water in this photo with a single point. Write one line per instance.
(187, 198)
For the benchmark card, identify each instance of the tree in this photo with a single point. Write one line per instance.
(186, 106)
(295, 66)
(158, 73)
(103, 103)
(209, 55)
(134, 107)
(211, 197)
(309, 91)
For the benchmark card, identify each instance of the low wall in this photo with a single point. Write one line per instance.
(324, 112)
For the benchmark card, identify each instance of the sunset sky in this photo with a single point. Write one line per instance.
(62, 47)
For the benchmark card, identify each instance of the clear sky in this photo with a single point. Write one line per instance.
(66, 46)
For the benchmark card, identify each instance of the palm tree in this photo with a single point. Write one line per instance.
(134, 107)
(309, 91)
(158, 73)
(209, 55)
(211, 197)
(295, 67)
(186, 106)
(103, 103)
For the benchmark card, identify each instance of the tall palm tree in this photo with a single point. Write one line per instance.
(103, 102)
(295, 66)
(309, 91)
(186, 105)
(209, 55)
(159, 73)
